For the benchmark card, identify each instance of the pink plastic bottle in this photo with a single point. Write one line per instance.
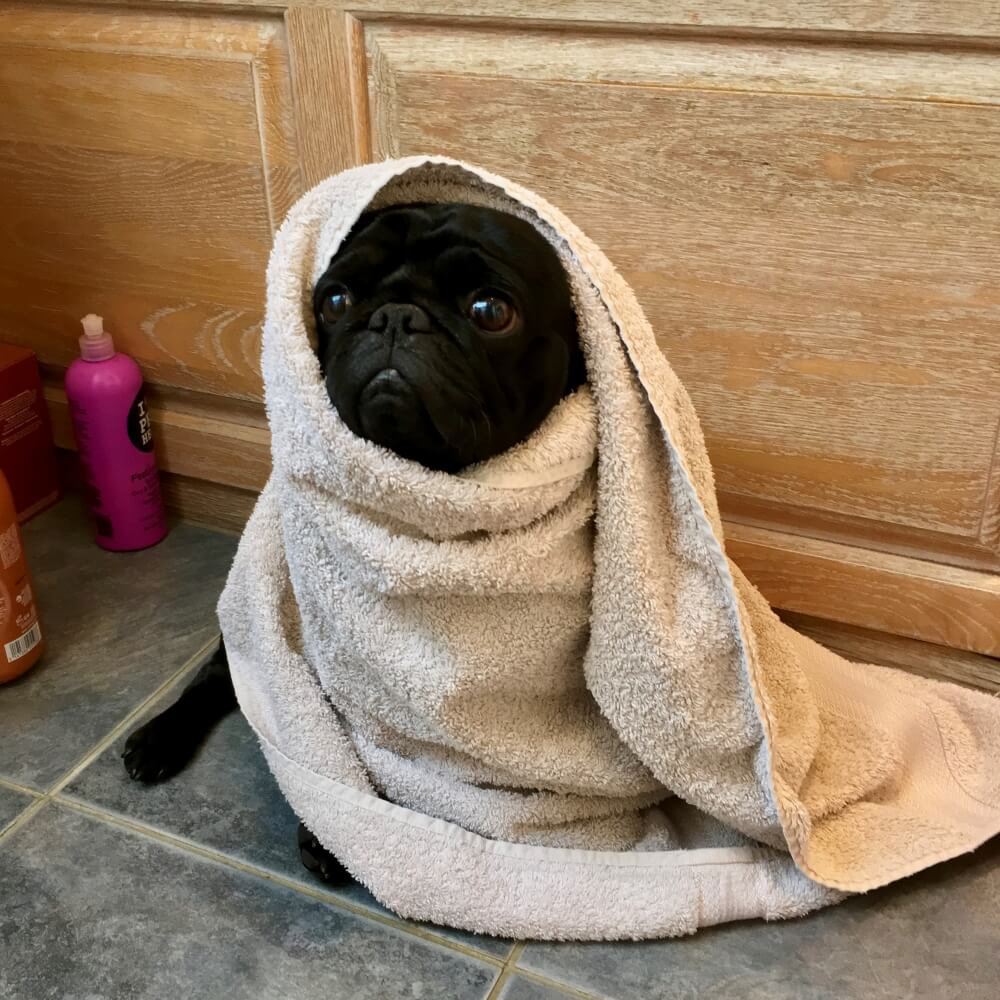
(115, 441)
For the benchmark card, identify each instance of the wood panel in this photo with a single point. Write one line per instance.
(225, 508)
(204, 502)
(962, 19)
(194, 442)
(927, 659)
(810, 228)
(331, 97)
(910, 597)
(144, 160)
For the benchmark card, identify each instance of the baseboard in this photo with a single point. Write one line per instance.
(925, 658)
(899, 595)
(214, 505)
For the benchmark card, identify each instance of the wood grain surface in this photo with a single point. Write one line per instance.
(193, 444)
(330, 93)
(945, 605)
(964, 19)
(927, 659)
(834, 68)
(144, 160)
(819, 268)
(215, 505)
(805, 197)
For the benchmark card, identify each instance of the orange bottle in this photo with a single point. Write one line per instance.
(20, 634)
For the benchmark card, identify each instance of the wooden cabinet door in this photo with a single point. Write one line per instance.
(812, 228)
(145, 160)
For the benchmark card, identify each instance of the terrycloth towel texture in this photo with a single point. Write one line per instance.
(535, 699)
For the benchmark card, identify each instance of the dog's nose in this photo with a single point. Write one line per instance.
(399, 317)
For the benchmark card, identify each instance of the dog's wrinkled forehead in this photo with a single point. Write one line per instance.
(425, 187)
(447, 248)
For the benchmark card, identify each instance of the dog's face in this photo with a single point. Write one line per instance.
(445, 332)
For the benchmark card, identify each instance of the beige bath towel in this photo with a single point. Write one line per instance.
(535, 698)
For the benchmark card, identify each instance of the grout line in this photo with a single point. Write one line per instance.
(317, 893)
(505, 973)
(507, 966)
(42, 798)
(54, 794)
(22, 817)
(498, 986)
(555, 984)
(23, 789)
(102, 744)
(511, 968)
(510, 956)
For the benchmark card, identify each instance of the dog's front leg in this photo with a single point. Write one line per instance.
(165, 744)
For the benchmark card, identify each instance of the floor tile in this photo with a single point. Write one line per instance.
(518, 988)
(225, 799)
(93, 911)
(933, 937)
(117, 625)
(11, 803)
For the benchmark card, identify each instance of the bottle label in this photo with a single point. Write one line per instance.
(23, 644)
(140, 428)
(10, 546)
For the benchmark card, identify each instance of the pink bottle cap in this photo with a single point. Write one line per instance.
(95, 344)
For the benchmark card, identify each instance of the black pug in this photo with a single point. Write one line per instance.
(445, 333)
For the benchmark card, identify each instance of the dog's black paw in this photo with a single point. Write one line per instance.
(155, 751)
(319, 860)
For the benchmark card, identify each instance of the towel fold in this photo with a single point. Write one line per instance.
(535, 698)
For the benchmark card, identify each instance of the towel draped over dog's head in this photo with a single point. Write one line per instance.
(535, 698)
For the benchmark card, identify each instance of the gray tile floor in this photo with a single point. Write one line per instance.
(193, 888)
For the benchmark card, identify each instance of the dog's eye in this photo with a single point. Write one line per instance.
(492, 313)
(335, 304)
